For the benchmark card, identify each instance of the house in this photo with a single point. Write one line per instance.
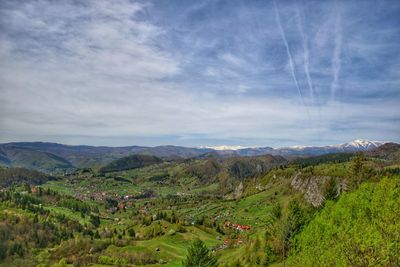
(245, 227)
(34, 189)
(240, 228)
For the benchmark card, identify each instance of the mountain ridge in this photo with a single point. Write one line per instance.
(50, 157)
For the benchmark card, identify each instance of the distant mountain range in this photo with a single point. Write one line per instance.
(52, 157)
(353, 146)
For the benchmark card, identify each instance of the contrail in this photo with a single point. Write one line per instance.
(306, 54)
(336, 57)
(278, 19)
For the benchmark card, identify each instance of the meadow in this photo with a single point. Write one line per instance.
(150, 215)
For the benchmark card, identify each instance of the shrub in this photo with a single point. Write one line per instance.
(105, 260)
(199, 256)
(361, 229)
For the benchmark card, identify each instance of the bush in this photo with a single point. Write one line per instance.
(105, 260)
(361, 229)
(199, 256)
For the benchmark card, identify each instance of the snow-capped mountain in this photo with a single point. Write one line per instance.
(360, 144)
(224, 147)
(353, 146)
(56, 155)
(357, 144)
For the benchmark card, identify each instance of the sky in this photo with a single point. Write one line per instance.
(199, 73)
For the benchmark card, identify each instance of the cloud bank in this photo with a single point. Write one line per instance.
(204, 73)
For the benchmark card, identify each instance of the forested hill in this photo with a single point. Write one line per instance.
(338, 209)
(51, 157)
(56, 158)
(16, 176)
(130, 162)
(389, 151)
(361, 229)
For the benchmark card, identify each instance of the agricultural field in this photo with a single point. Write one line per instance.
(150, 215)
(203, 133)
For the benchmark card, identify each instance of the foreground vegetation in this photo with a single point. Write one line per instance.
(332, 210)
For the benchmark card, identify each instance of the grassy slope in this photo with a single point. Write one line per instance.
(253, 208)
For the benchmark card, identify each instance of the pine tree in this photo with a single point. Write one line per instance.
(356, 170)
(95, 220)
(131, 232)
(96, 234)
(3, 251)
(199, 256)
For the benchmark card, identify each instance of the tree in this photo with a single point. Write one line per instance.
(3, 251)
(360, 229)
(276, 211)
(199, 256)
(331, 191)
(356, 170)
(131, 232)
(95, 220)
(290, 226)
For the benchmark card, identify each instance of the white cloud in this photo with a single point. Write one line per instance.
(98, 69)
(231, 59)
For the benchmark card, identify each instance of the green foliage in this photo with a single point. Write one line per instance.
(33, 159)
(356, 169)
(361, 229)
(328, 158)
(199, 256)
(291, 225)
(206, 170)
(19, 234)
(276, 211)
(169, 204)
(153, 230)
(75, 205)
(3, 251)
(111, 203)
(131, 232)
(95, 220)
(242, 168)
(284, 225)
(130, 162)
(106, 260)
(331, 189)
(18, 176)
(159, 177)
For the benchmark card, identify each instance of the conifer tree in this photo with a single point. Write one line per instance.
(199, 256)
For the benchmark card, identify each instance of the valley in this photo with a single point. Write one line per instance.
(208, 133)
(142, 210)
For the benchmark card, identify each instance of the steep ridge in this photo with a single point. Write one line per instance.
(390, 151)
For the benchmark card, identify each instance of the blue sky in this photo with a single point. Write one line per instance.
(250, 73)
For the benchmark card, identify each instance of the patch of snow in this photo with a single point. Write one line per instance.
(224, 147)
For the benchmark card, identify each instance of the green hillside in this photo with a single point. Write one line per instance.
(51, 157)
(249, 211)
(130, 162)
(18, 176)
(26, 158)
(361, 229)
